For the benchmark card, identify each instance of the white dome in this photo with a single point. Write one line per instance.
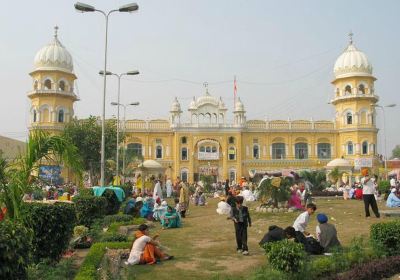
(339, 162)
(352, 62)
(150, 164)
(175, 107)
(239, 107)
(54, 56)
(207, 99)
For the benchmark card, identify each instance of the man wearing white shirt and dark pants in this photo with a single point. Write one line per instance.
(368, 194)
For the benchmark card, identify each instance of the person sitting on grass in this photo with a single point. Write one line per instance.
(326, 233)
(274, 233)
(170, 219)
(202, 199)
(145, 250)
(393, 200)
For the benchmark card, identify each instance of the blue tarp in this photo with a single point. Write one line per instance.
(98, 191)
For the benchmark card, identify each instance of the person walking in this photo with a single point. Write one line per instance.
(368, 194)
(183, 199)
(241, 218)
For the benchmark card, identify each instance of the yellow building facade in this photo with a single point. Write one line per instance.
(210, 145)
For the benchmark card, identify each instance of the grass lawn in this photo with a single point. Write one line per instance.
(205, 247)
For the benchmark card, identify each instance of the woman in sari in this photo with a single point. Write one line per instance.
(183, 199)
(147, 210)
(295, 200)
(145, 249)
(170, 219)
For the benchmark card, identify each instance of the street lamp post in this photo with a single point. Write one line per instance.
(384, 130)
(123, 151)
(88, 8)
(135, 72)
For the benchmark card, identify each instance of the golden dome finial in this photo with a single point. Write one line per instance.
(55, 31)
(351, 37)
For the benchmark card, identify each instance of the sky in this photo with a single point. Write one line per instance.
(282, 53)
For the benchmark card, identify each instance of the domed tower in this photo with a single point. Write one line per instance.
(175, 112)
(52, 96)
(239, 113)
(354, 101)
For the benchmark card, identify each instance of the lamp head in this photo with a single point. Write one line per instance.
(391, 105)
(114, 103)
(107, 73)
(134, 72)
(129, 8)
(134, 103)
(82, 7)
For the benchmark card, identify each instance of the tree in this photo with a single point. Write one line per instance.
(335, 175)
(317, 178)
(396, 152)
(86, 136)
(20, 174)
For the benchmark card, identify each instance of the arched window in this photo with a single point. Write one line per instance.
(349, 118)
(231, 140)
(35, 85)
(324, 150)
(184, 140)
(184, 175)
(134, 150)
(34, 116)
(347, 90)
(232, 175)
(213, 149)
(365, 148)
(278, 151)
(301, 150)
(256, 151)
(350, 150)
(184, 154)
(231, 153)
(202, 149)
(60, 116)
(208, 149)
(44, 114)
(61, 86)
(361, 89)
(47, 84)
(159, 152)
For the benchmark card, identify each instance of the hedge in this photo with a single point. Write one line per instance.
(385, 237)
(113, 203)
(52, 226)
(286, 255)
(88, 269)
(89, 208)
(376, 269)
(15, 242)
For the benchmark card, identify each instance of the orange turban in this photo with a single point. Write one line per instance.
(364, 172)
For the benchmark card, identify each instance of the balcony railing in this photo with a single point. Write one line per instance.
(52, 91)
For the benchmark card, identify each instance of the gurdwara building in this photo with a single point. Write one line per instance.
(210, 145)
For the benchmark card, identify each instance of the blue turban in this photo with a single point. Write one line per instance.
(322, 218)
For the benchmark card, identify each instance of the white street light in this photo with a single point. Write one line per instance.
(87, 8)
(134, 72)
(384, 130)
(123, 156)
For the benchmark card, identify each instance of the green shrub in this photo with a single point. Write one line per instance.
(89, 208)
(65, 269)
(88, 269)
(385, 237)
(117, 218)
(14, 250)
(52, 226)
(383, 186)
(322, 266)
(286, 256)
(85, 191)
(114, 237)
(113, 203)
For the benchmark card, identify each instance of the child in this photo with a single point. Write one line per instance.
(241, 218)
(302, 220)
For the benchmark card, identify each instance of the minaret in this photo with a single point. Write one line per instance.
(52, 95)
(175, 117)
(239, 114)
(354, 100)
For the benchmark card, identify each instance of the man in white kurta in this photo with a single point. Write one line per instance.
(157, 191)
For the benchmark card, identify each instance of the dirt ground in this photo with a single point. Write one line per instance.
(204, 248)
